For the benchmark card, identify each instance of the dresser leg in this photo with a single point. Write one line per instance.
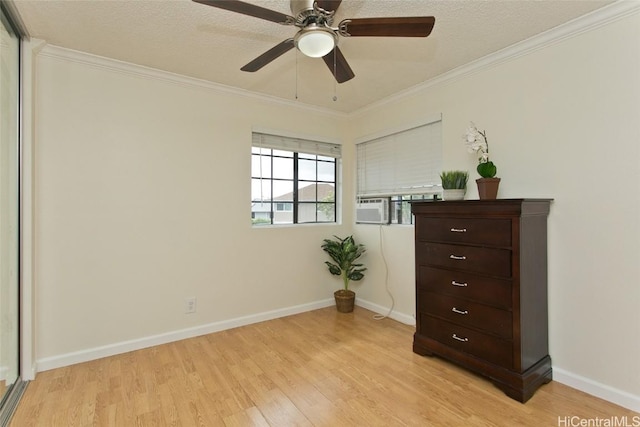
(521, 395)
(526, 385)
(420, 349)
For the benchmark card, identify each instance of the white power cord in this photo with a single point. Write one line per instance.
(386, 280)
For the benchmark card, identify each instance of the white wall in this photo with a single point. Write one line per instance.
(143, 199)
(562, 122)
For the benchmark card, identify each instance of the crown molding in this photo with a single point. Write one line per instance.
(141, 71)
(598, 18)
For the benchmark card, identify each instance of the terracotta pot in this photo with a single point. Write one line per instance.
(345, 300)
(488, 188)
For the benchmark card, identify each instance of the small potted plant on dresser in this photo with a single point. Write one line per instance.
(477, 142)
(454, 184)
(344, 253)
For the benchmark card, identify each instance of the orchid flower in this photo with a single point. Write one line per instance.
(476, 142)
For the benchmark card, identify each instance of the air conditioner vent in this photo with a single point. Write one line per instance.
(372, 211)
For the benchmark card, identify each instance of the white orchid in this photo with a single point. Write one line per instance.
(476, 142)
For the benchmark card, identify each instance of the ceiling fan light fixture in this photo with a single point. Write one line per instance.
(315, 41)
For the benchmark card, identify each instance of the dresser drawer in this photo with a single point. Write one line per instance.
(466, 313)
(481, 231)
(487, 347)
(496, 262)
(487, 290)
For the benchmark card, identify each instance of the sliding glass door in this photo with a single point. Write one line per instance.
(9, 202)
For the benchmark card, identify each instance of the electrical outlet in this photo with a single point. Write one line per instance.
(190, 305)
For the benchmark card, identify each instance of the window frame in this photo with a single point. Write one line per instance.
(298, 199)
(398, 204)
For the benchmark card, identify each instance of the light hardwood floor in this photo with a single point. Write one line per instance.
(320, 368)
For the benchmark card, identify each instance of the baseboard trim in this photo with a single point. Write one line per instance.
(594, 388)
(384, 311)
(73, 358)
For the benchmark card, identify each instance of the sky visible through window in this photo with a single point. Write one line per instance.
(282, 174)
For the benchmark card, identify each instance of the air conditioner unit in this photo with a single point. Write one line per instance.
(372, 211)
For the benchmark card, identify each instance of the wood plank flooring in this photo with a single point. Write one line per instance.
(320, 368)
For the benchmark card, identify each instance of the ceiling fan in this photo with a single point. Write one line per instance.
(317, 37)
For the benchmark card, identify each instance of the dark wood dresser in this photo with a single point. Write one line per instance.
(481, 289)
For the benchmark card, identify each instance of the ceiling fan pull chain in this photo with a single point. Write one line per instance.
(260, 158)
(335, 81)
(296, 74)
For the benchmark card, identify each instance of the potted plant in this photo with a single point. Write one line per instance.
(477, 142)
(454, 184)
(344, 253)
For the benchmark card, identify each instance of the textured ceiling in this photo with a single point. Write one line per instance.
(195, 40)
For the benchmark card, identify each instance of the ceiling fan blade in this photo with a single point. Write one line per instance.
(342, 71)
(417, 26)
(329, 5)
(249, 9)
(268, 56)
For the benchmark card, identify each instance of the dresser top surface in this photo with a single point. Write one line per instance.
(486, 207)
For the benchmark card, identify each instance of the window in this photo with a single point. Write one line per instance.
(293, 181)
(288, 207)
(401, 207)
(402, 166)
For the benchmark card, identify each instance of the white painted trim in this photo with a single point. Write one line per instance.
(67, 359)
(594, 388)
(384, 311)
(613, 12)
(560, 375)
(4, 372)
(127, 68)
(590, 21)
(295, 135)
(587, 385)
(29, 50)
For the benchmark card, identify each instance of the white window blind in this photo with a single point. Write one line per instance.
(406, 162)
(298, 145)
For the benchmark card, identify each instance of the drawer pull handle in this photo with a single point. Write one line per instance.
(458, 230)
(462, 285)
(458, 257)
(455, 337)
(455, 310)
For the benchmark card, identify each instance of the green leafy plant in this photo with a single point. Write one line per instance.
(476, 142)
(344, 253)
(487, 169)
(454, 180)
(328, 208)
